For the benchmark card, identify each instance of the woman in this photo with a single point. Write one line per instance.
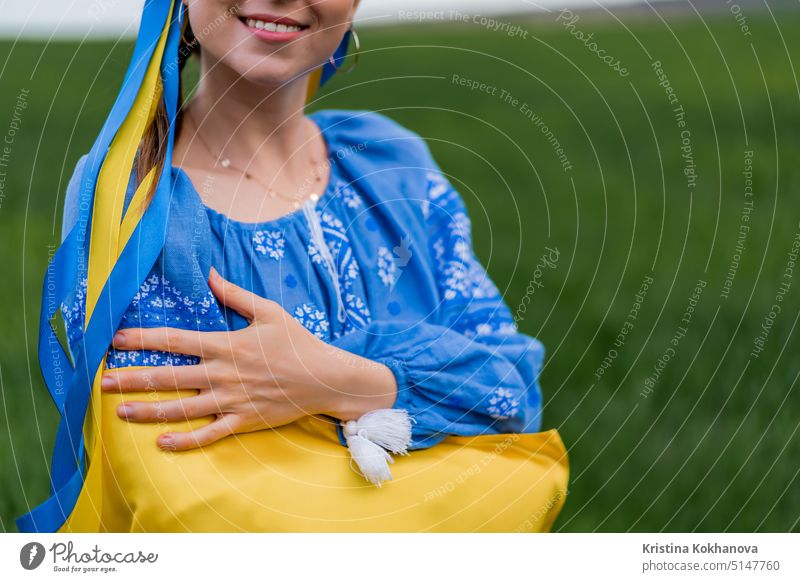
(314, 265)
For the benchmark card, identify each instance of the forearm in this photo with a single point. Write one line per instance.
(355, 385)
(451, 384)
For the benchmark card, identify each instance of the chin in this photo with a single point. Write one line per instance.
(269, 71)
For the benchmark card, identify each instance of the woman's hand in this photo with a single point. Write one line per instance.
(266, 375)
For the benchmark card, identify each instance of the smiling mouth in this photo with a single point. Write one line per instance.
(277, 25)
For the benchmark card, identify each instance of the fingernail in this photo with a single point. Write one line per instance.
(118, 340)
(213, 273)
(124, 410)
(166, 442)
(107, 382)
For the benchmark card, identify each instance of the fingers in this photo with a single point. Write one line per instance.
(170, 410)
(249, 305)
(167, 339)
(201, 437)
(156, 378)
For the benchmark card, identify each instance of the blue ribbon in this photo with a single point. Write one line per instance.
(71, 261)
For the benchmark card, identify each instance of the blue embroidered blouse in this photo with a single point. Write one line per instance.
(381, 265)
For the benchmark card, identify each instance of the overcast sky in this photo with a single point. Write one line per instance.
(43, 18)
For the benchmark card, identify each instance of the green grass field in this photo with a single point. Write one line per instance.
(707, 440)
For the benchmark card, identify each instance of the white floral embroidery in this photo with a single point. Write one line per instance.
(352, 271)
(269, 243)
(347, 269)
(438, 251)
(462, 275)
(158, 303)
(500, 327)
(334, 228)
(312, 319)
(463, 281)
(313, 253)
(386, 266)
(350, 196)
(158, 294)
(75, 314)
(357, 309)
(507, 328)
(438, 185)
(502, 404)
(483, 329)
(332, 223)
(462, 250)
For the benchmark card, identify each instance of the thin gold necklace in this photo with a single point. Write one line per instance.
(226, 163)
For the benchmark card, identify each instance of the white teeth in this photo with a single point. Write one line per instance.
(270, 26)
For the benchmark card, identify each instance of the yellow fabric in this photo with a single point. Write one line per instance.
(297, 478)
(313, 83)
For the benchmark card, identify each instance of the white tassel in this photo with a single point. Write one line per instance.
(369, 438)
(372, 460)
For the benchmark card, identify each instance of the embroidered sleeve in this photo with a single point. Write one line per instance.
(467, 370)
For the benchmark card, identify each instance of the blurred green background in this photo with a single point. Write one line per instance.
(714, 444)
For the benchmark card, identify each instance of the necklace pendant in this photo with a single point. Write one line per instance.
(225, 163)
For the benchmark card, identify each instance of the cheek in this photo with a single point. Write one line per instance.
(335, 14)
(216, 26)
(333, 20)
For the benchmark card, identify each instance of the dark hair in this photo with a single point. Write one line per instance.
(152, 149)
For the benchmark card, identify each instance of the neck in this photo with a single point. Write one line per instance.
(250, 123)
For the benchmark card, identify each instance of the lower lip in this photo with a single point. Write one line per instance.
(272, 36)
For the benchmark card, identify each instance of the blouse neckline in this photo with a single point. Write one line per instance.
(284, 218)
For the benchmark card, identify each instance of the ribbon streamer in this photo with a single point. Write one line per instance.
(112, 249)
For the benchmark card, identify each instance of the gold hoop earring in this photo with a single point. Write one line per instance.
(184, 40)
(356, 54)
